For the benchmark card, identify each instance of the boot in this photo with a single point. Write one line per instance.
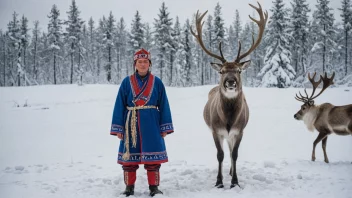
(129, 190)
(154, 190)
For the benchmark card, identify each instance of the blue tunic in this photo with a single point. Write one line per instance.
(150, 123)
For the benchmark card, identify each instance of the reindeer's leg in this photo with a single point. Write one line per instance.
(321, 136)
(237, 141)
(324, 149)
(218, 139)
(230, 143)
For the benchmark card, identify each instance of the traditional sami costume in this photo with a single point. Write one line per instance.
(141, 114)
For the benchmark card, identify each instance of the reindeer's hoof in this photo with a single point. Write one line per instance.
(219, 184)
(313, 159)
(234, 185)
(326, 161)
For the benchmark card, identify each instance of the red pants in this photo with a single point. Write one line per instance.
(129, 173)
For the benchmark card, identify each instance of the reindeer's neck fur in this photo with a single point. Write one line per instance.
(231, 108)
(310, 117)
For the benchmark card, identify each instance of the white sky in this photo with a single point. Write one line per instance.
(39, 9)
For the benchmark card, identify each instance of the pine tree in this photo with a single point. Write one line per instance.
(346, 16)
(187, 55)
(324, 33)
(137, 33)
(299, 28)
(208, 42)
(122, 61)
(163, 41)
(148, 37)
(3, 58)
(74, 31)
(237, 31)
(24, 43)
(14, 35)
(109, 43)
(219, 34)
(179, 54)
(55, 37)
(34, 50)
(277, 70)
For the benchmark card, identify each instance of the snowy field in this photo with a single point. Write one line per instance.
(59, 147)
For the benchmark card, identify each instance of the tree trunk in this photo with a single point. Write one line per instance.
(346, 54)
(35, 58)
(4, 63)
(54, 68)
(324, 51)
(108, 69)
(72, 47)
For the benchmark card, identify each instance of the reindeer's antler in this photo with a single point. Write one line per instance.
(261, 23)
(199, 26)
(326, 83)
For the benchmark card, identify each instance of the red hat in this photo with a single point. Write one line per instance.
(142, 53)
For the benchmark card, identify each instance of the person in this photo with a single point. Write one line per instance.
(141, 119)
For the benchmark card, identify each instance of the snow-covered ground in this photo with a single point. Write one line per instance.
(59, 146)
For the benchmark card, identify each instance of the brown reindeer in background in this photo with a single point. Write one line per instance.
(226, 112)
(325, 118)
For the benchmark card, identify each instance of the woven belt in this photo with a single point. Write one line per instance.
(126, 155)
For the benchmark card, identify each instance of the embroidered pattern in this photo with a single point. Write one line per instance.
(168, 127)
(116, 129)
(144, 157)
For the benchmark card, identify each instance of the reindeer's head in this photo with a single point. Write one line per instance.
(230, 81)
(309, 101)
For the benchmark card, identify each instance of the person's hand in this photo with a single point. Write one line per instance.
(163, 134)
(120, 136)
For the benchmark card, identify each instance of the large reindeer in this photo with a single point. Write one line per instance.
(226, 112)
(325, 118)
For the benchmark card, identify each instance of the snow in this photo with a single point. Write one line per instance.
(58, 145)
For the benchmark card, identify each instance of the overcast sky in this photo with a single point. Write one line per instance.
(39, 9)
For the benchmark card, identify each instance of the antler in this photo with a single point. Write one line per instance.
(261, 24)
(326, 83)
(199, 26)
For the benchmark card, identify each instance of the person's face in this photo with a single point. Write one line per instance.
(142, 66)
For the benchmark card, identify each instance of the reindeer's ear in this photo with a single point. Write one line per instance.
(245, 64)
(216, 66)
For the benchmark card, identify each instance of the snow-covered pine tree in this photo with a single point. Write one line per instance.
(14, 35)
(55, 38)
(123, 63)
(74, 30)
(177, 46)
(246, 43)
(2, 58)
(324, 34)
(163, 42)
(110, 30)
(299, 27)
(346, 15)
(90, 45)
(209, 37)
(137, 34)
(101, 37)
(187, 63)
(219, 34)
(237, 28)
(148, 37)
(24, 42)
(277, 70)
(34, 51)
(179, 55)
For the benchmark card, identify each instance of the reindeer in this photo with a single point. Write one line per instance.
(325, 118)
(226, 112)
